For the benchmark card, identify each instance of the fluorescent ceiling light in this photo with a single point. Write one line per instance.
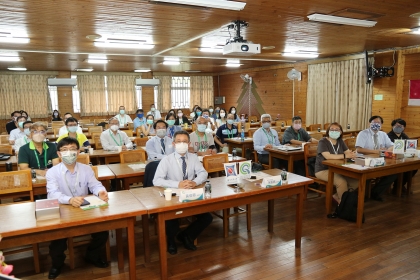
(300, 54)
(84, 69)
(17, 68)
(232, 63)
(97, 60)
(415, 30)
(15, 40)
(170, 62)
(123, 45)
(142, 70)
(218, 4)
(9, 58)
(341, 20)
(192, 71)
(212, 50)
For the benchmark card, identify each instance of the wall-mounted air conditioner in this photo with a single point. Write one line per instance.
(62, 82)
(147, 82)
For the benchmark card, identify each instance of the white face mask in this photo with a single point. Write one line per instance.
(201, 127)
(114, 127)
(161, 133)
(68, 157)
(152, 109)
(27, 131)
(181, 148)
(233, 111)
(38, 137)
(122, 112)
(222, 115)
(192, 115)
(180, 115)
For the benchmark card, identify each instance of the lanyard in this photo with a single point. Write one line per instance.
(180, 167)
(26, 139)
(73, 191)
(45, 157)
(269, 134)
(121, 143)
(338, 147)
(199, 141)
(171, 131)
(229, 130)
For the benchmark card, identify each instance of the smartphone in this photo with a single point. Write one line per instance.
(85, 202)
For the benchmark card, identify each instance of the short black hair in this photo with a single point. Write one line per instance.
(20, 117)
(71, 119)
(150, 115)
(206, 110)
(376, 117)
(139, 110)
(22, 111)
(170, 115)
(399, 121)
(67, 141)
(295, 118)
(27, 122)
(14, 112)
(179, 132)
(160, 121)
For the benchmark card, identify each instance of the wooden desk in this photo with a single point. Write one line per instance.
(126, 174)
(105, 157)
(290, 156)
(392, 166)
(12, 159)
(237, 143)
(347, 132)
(23, 229)
(223, 197)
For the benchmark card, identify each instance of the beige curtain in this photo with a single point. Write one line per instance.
(164, 94)
(24, 92)
(202, 91)
(337, 92)
(92, 95)
(121, 92)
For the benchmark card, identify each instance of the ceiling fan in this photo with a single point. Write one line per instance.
(294, 75)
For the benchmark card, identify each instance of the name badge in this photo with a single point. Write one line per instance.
(187, 195)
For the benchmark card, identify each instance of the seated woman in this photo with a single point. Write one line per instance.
(56, 116)
(333, 147)
(172, 128)
(198, 111)
(172, 111)
(232, 111)
(25, 114)
(181, 119)
(147, 128)
(221, 120)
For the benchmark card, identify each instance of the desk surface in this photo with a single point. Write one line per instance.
(123, 170)
(237, 140)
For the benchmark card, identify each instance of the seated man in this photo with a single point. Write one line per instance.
(295, 134)
(266, 137)
(227, 130)
(372, 141)
(18, 132)
(139, 121)
(154, 112)
(182, 170)
(72, 126)
(38, 154)
(63, 130)
(202, 142)
(160, 145)
(25, 139)
(113, 138)
(61, 180)
(123, 118)
(13, 123)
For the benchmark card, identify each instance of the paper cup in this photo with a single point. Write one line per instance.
(119, 149)
(91, 151)
(367, 161)
(168, 194)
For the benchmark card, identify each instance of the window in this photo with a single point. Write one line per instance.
(76, 97)
(53, 97)
(180, 92)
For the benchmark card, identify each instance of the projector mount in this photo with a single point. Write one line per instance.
(237, 25)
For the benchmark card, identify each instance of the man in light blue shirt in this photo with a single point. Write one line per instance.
(69, 182)
(372, 141)
(160, 145)
(139, 120)
(182, 170)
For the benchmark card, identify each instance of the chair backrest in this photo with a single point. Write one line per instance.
(4, 139)
(149, 173)
(96, 121)
(276, 128)
(97, 140)
(95, 171)
(252, 131)
(57, 124)
(56, 131)
(16, 184)
(129, 133)
(6, 149)
(253, 119)
(140, 142)
(138, 131)
(133, 156)
(290, 122)
(84, 121)
(214, 163)
(279, 122)
(97, 128)
(131, 126)
(350, 143)
(247, 126)
(94, 134)
(326, 125)
(193, 127)
(315, 126)
(317, 135)
(310, 150)
(280, 136)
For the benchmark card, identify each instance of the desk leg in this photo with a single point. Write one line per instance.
(290, 164)
(162, 247)
(146, 244)
(120, 253)
(270, 214)
(409, 182)
(399, 186)
(299, 215)
(361, 202)
(131, 248)
(328, 192)
(270, 160)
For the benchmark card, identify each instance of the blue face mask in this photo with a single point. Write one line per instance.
(229, 121)
(140, 116)
(198, 113)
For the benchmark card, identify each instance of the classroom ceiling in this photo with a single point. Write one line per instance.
(58, 32)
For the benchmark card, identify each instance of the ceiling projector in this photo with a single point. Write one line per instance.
(241, 48)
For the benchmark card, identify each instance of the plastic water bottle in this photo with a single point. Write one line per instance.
(243, 133)
(284, 178)
(207, 190)
(348, 126)
(141, 134)
(234, 153)
(134, 146)
(33, 175)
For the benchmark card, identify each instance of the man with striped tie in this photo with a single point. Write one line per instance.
(182, 170)
(159, 145)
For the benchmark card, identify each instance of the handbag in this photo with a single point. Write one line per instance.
(347, 209)
(256, 166)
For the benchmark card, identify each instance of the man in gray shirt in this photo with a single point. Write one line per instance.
(182, 170)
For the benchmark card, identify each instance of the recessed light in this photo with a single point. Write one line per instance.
(268, 47)
(124, 45)
(171, 61)
(192, 71)
(301, 54)
(94, 37)
(211, 50)
(17, 68)
(9, 58)
(84, 69)
(142, 70)
(341, 20)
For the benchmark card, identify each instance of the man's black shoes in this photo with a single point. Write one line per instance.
(54, 272)
(97, 262)
(186, 241)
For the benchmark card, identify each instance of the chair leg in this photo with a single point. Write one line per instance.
(35, 249)
(70, 247)
(226, 222)
(248, 217)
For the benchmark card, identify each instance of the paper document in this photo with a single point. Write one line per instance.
(259, 176)
(287, 148)
(137, 166)
(356, 166)
(95, 202)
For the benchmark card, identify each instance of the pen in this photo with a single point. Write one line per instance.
(160, 193)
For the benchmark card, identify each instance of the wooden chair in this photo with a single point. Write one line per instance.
(266, 166)
(57, 124)
(314, 127)
(4, 139)
(280, 122)
(97, 128)
(84, 121)
(290, 122)
(251, 132)
(129, 133)
(133, 156)
(213, 164)
(130, 126)
(193, 127)
(326, 125)
(15, 184)
(350, 143)
(317, 135)
(310, 150)
(253, 119)
(277, 128)
(6, 149)
(140, 142)
(94, 134)
(280, 136)
(247, 126)
(97, 140)
(96, 121)
(138, 132)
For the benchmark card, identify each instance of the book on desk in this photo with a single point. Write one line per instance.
(46, 209)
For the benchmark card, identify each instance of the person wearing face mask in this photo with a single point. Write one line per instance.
(232, 111)
(172, 128)
(25, 139)
(72, 126)
(202, 142)
(25, 114)
(12, 124)
(172, 111)
(159, 146)
(198, 112)
(397, 132)
(295, 134)
(154, 112)
(222, 118)
(181, 119)
(227, 130)
(56, 116)
(38, 154)
(123, 118)
(17, 132)
(147, 128)
(113, 138)
(211, 123)
(182, 170)
(140, 120)
(215, 114)
(61, 180)
(266, 137)
(372, 141)
(63, 130)
(333, 147)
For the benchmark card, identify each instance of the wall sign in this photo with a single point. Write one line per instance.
(414, 93)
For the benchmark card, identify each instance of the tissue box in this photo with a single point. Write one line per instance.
(46, 209)
(186, 195)
(377, 161)
(273, 181)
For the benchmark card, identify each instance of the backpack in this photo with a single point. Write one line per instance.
(347, 209)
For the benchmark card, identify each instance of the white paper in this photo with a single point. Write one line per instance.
(95, 202)
(137, 166)
(259, 176)
(356, 166)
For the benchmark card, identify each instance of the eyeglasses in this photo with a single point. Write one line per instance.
(68, 150)
(266, 121)
(43, 132)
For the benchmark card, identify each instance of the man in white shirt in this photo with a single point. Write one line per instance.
(63, 130)
(160, 145)
(123, 118)
(17, 133)
(202, 142)
(113, 138)
(25, 139)
(153, 111)
(182, 170)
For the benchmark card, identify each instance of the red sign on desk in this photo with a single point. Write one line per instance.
(414, 93)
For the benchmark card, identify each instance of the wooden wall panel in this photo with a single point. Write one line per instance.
(65, 95)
